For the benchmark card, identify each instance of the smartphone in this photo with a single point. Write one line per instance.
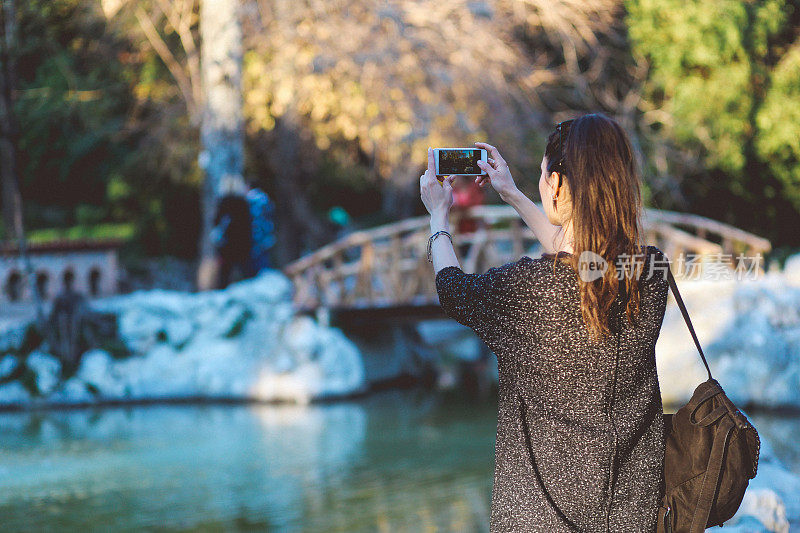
(459, 161)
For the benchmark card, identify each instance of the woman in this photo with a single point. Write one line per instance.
(580, 436)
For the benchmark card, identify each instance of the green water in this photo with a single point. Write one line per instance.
(394, 461)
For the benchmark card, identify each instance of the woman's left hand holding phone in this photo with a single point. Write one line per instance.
(436, 195)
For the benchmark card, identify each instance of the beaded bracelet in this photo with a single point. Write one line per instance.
(430, 242)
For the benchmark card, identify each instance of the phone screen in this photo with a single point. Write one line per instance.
(459, 161)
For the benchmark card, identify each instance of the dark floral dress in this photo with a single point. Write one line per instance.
(580, 435)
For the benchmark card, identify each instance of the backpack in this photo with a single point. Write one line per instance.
(711, 455)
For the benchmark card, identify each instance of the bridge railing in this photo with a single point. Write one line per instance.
(387, 266)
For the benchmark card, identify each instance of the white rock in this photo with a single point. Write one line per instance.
(47, 369)
(14, 394)
(323, 363)
(139, 327)
(750, 333)
(293, 386)
(12, 333)
(270, 286)
(767, 507)
(775, 477)
(341, 362)
(229, 321)
(72, 391)
(97, 371)
(680, 369)
(302, 338)
(747, 524)
(8, 364)
(178, 331)
(791, 270)
(242, 342)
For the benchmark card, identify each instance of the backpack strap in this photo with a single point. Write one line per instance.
(685, 313)
(708, 490)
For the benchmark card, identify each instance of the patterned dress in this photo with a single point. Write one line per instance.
(580, 434)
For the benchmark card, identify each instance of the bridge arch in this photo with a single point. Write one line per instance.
(43, 283)
(387, 267)
(13, 286)
(94, 280)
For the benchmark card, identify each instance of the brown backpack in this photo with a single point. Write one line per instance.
(711, 454)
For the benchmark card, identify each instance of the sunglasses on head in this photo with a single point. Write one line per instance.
(560, 127)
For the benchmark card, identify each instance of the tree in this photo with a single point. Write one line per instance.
(222, 129)
(11, 199)
(12, 202)
(206, 64)
(723, 90)
(778, 123)
(384, 82)
(93, 117)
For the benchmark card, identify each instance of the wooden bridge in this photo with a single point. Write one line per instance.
(385, 269)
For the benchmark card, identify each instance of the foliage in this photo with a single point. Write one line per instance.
(71, 104)
(391, 80)
(121, 230)
(109, 127)
(778, 123)
(723, 84)
(103, 141)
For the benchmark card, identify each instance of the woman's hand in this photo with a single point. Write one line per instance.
(437, 196)
(498, 173)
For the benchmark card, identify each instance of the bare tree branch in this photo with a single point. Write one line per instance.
(190, 46)
(180, 14)
(163, 51)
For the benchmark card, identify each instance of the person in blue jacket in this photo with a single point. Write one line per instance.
(262, 211)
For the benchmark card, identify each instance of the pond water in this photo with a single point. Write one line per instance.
(394, 461)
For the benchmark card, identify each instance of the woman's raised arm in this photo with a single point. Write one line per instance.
(536, 219)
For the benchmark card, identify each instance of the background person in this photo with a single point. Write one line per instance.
(232, 233)
(67, 320)
(263, 228)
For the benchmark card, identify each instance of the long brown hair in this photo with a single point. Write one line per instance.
(594, 156)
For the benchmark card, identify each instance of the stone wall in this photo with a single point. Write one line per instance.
(96, 273)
